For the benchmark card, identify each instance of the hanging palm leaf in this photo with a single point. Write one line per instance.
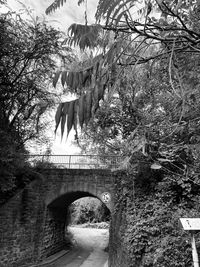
(88, 107)
(56, 77)
(55, 5)
(101, 89)
(76, 109)
(86, 77)
(85, 36)
(70, 118)
(119, 11)
(58, 116)
(80, 79)
(96, 69)
(65, 110)
(81, 115)
(95, 98)
(75, 81)
(111, 10)
(63, 78)
(90, 83)
(94, 74)
(70, 79)
(102, 8)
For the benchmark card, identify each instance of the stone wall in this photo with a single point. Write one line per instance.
(118, 249)
(32, 223)
(54, 232)
(21, 226)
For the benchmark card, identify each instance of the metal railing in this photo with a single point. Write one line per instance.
(75, 161)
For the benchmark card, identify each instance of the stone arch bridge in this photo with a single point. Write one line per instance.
(32, 223)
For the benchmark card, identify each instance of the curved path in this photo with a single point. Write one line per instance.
(89, 249)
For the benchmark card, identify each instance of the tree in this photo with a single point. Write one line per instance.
(27, 63)
(28, 51)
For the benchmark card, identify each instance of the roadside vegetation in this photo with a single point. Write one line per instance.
(89, 212)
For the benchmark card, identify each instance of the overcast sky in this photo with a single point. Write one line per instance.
(62, 18)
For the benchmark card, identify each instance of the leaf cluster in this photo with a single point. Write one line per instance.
(90, 84)
(84, 36)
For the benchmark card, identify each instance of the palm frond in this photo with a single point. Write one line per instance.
(55, 5)
(111, 10)
(85, 36)
(90, 84)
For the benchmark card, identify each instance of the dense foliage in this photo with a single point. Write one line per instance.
(88, 210)
(149, 225)
(27, 58)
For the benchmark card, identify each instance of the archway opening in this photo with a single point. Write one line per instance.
(88, 211)
(65, 213)
(88, 225)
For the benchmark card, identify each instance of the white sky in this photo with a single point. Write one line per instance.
(61, 19)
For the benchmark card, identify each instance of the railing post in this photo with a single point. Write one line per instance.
(77, 161)
(69, 161)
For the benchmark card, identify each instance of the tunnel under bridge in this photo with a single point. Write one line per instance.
(33, 221)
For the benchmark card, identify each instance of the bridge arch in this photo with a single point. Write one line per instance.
(69, 192)
(80, 183)
(38, 214)
(57, 220)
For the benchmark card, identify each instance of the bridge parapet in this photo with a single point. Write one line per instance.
(76, 161)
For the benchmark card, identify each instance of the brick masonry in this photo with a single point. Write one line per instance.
(32, 223)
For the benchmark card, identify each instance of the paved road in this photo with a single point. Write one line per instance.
(88, 251)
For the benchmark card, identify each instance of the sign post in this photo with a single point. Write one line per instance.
(192, 225)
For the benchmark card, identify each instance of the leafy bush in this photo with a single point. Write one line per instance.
(151, 233)
(88, 210)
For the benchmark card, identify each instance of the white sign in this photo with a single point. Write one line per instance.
(106, 197)
(190, 224)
